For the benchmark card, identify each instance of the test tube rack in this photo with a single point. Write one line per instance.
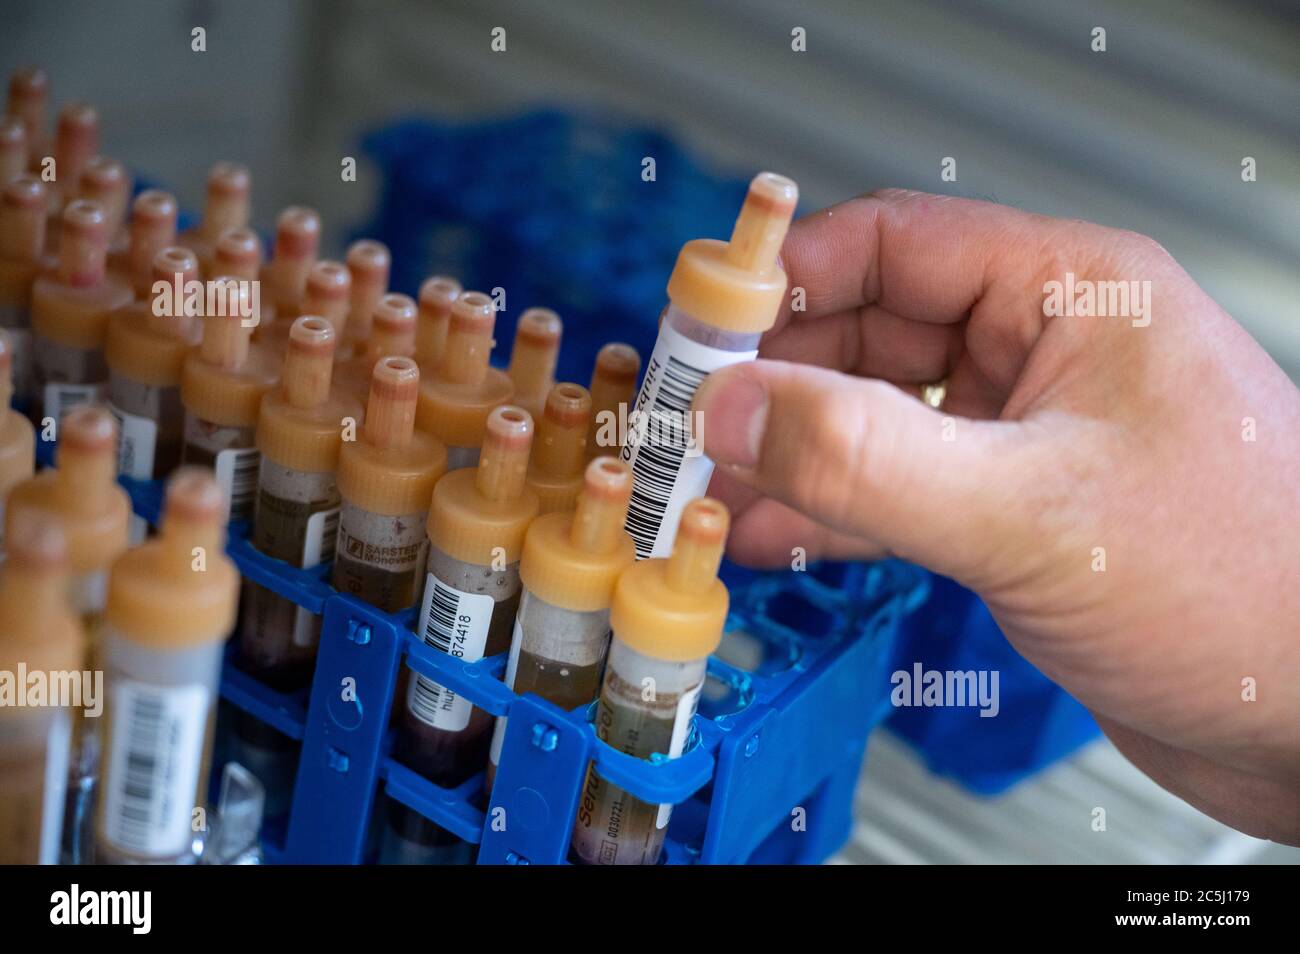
(769, 771)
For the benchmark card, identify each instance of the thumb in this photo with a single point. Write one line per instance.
(862, 457)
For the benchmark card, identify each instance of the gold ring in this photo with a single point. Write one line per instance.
(933, 394)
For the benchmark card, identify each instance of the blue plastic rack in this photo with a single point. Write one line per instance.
(784, 735)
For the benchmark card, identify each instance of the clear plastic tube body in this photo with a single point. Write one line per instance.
(461, 457)
(34, 747)
(468, 612)
(88, 599)
(157, 748)
(152, 424)
(556, 653)
(409, 838)
(646, 706)
(296, 521)
(668, 469)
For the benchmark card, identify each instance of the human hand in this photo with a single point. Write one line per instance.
(1123, 492)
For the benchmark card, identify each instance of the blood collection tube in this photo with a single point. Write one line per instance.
(555, 471)
(76, 142)
(70, 310)
(17, 438)
(328, 295)
(300, 433)
(297, 242)
(613, 389)
(437, 295)
(392, 334)
(152, 228)
(171, 606)
(225, 209)
(222, 385)
(28, 93)
(533, 357)
(39, 632)
(22, 242)
(13, 149)
(82, 494)
(369, 263)
(238, 253)
(107, 182)
(568, 569)
(722, 296)
(457, 398)
(386, 480)
(477, 523)
(667, 617)
(146, 354)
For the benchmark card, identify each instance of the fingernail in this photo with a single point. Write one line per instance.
(733, 408)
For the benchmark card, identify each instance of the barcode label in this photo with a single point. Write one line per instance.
(60, 398)
(454, 622)
(137, 439)
(682, 719)
(512, 667)
(236, 470)
(664, 477)
(306, 628)
(318, 542)
(153, 766)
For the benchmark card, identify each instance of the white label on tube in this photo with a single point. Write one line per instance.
(686, 706)
(153, 766)
(55, 788)
(499, 732)
(138, 437)
(304, 628)
(668, 467)
(20, 346)
(60, 398)
(318, 543)
(456, 623)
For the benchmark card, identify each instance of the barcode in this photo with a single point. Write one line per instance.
(440, 627)
(61, 398)
(237, 473)
(659, 459)
(426, 698)
(144, 785)
(125, 448)
(72, 397)
(329, 536)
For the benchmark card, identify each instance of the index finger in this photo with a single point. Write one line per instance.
(924, 257)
